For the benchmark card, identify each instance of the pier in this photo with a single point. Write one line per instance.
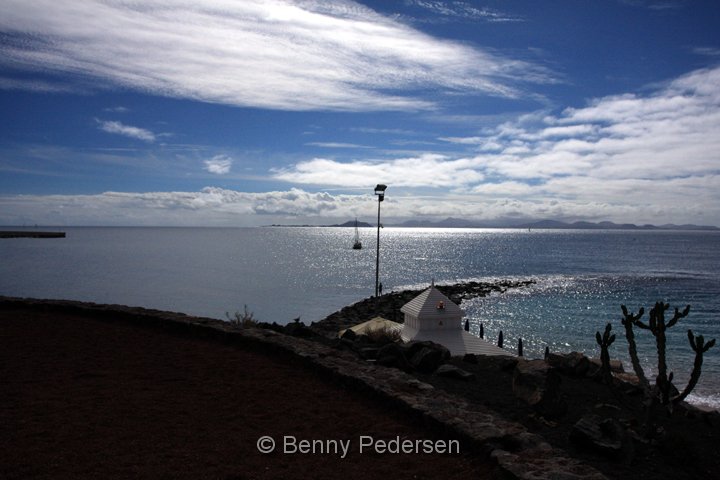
(30, 234)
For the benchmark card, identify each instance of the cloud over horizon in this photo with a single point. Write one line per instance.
(628, 158)
(656, 152)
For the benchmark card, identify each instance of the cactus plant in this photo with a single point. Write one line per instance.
(605, 341)
(657, 326)
(699, 347)
(628, 321)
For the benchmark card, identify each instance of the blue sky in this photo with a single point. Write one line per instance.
(255, 112)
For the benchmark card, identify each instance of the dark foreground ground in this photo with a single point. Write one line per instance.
(86, 397)
(682, 446)
(685, 445)
(89, 398)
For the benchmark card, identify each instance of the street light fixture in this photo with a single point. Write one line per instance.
(380, 192)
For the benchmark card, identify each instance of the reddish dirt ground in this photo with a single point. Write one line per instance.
(90, 398)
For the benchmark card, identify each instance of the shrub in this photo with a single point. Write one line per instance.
(242, 320)
(384, 335)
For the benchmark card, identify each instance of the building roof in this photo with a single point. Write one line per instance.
(426, 305)
(459, 342)
(377, 323)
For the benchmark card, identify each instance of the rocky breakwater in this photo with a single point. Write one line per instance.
(388, 306)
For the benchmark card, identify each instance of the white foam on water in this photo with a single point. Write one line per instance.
(711, 400)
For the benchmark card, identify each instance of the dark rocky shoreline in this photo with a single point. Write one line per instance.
(388, 305)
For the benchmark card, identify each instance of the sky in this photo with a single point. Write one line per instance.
(257, 112)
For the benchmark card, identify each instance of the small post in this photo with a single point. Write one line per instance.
(482, 331)
(520, 347)
(500, 339)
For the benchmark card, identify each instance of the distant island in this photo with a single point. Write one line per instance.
(538, 224)
(349, 223)
(551, 224)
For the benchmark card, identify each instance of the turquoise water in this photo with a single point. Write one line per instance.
(582, 277)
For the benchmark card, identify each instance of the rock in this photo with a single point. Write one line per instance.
(369, 353)
(470, 358)
(271, 326)
(393, 355)
(503, 362)
(418, 385)
(349, 334)
(426, 360)
(535, 465)
(604, 435)
(616, 366)
(573, 363)
(426, 356)
(299, 329)
(451, 371)
(411, 348)
(537, 384)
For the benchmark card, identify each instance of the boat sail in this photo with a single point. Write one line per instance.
(357, 245)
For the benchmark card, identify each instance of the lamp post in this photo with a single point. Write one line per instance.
(380, 192)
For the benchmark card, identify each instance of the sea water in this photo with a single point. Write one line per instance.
(581, 278)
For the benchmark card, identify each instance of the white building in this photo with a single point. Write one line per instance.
(432, 316)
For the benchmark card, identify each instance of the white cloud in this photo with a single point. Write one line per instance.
(219, 164)
(278, 54)
(463, 140)
(337, 145)
(210, 207)
(428, 170)
(707, 51)
(119, 109)
(650, 158)
(120, 128)
(673, 132)
(463, 11)
(38, 86)
(563, 198)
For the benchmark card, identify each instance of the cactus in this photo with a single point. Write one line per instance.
(657, 326)
(699, 347)
(605, 341)
(628, 321)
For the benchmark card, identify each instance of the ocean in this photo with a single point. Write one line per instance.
(581, 278)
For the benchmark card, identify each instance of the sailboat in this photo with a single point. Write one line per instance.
(358, 244)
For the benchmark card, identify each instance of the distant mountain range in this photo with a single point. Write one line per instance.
(540, 224)
(554, 224)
